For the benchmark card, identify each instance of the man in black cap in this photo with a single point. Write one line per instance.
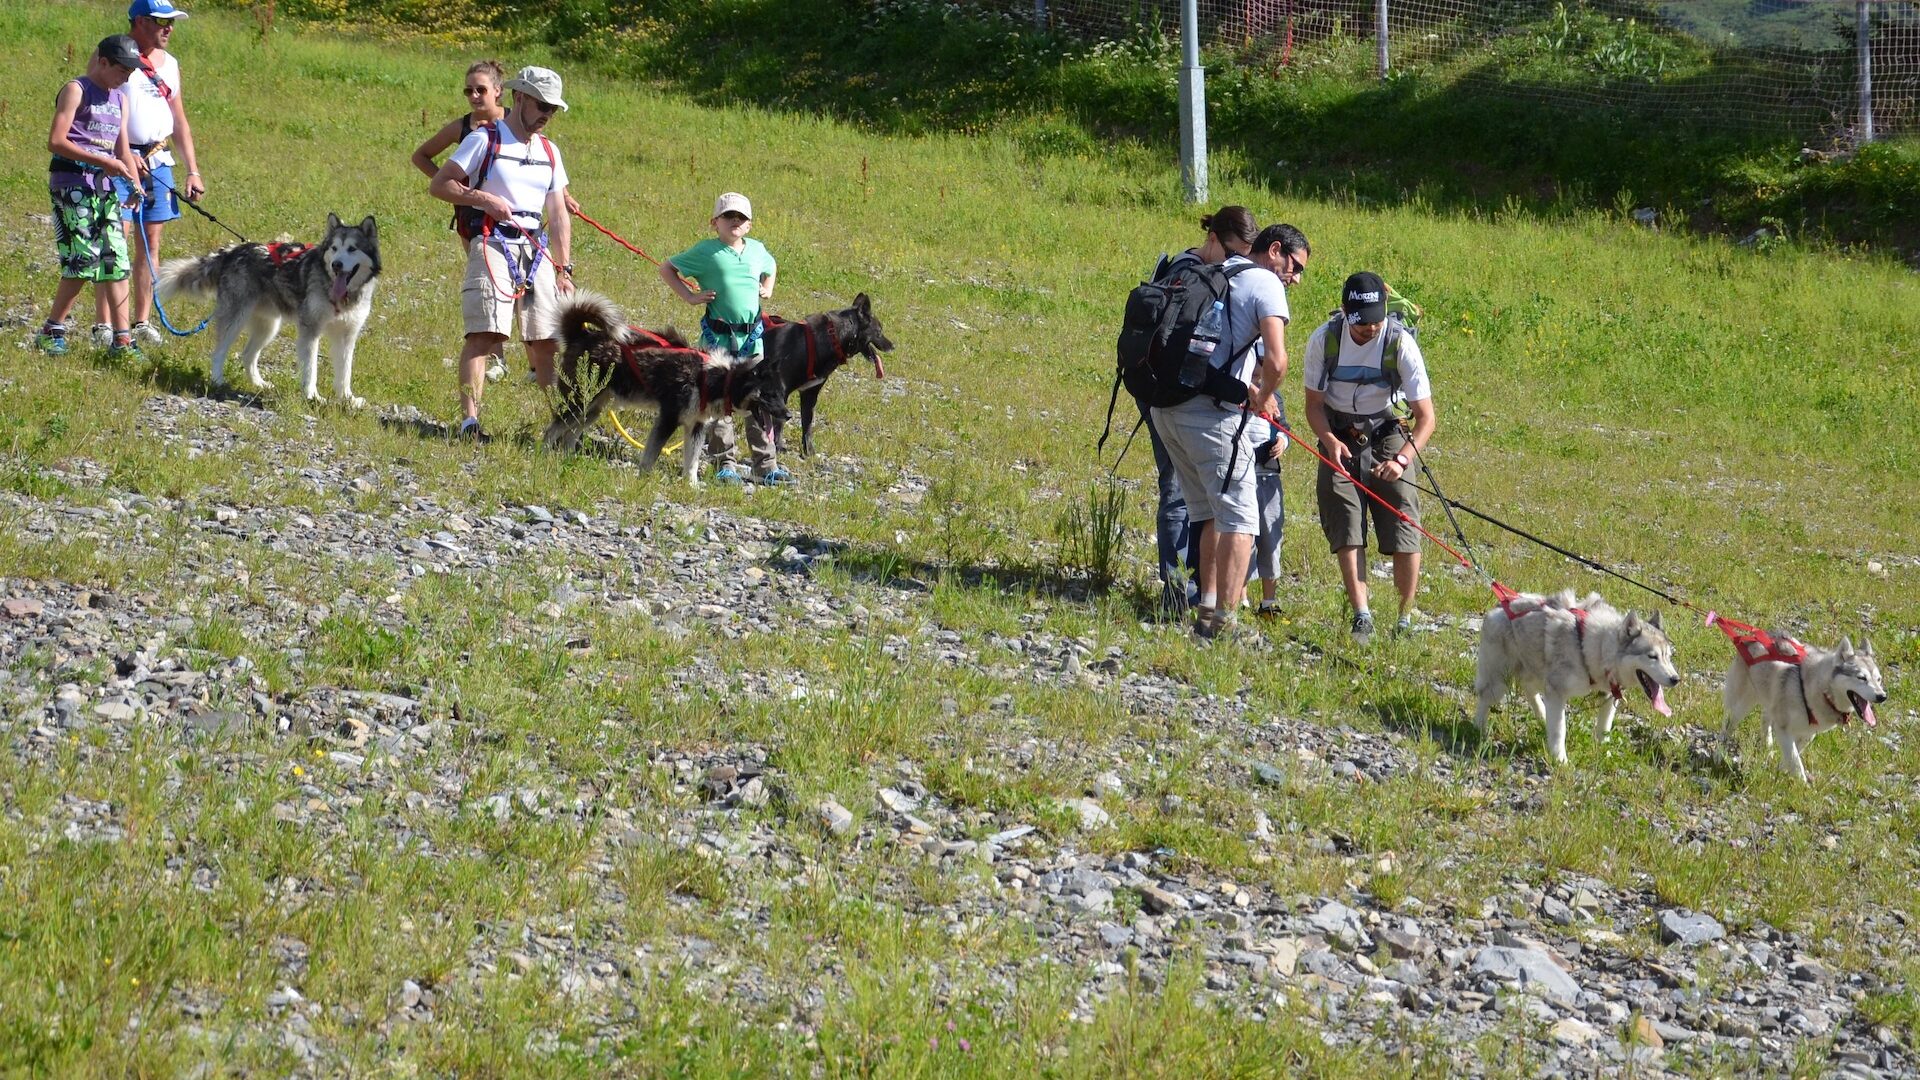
(1358, 365)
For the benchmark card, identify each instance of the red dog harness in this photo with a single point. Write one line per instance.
(655, 341)
(280, 254)
(1756, 646)
(814, 377)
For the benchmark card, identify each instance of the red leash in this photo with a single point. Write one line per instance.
(1369, 492)
(615, 237)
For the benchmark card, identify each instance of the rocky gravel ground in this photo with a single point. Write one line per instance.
(1585, 976)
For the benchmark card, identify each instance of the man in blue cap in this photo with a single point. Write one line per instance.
(156, 126)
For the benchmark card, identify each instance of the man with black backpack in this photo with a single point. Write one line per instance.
(1186, 355)
(510, 186)
(1358, 365)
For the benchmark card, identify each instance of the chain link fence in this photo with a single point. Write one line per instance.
(1788, 66)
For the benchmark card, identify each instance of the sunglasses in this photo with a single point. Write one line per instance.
(733, 215)
(161, 21)
(542, 107)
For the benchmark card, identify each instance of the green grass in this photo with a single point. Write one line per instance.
(1722, 421)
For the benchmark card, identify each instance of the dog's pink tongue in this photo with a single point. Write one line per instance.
(339, 290)
(1866, 712)
(879, 369)
(1660, 701)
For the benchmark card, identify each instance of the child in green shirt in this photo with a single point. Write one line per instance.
(731, 275)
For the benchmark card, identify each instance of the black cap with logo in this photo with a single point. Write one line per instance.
(120, 49)
(1364, 298)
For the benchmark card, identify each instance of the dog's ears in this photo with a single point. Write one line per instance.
(862, 304)
(1846, 645)
(367, 227)
(1632, 624)
(1866, 645)
(1655, 623)
(333, 222)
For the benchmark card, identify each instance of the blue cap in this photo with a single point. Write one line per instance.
(158, 9)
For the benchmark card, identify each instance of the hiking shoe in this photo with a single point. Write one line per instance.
(51, 342)
(470, 429)
(1362, 628)
(145, 331)
(1268, 609)
(728, 475)
(123, 350)
(774, 477)
(101, 335)
(496, 370)
(1206, 623)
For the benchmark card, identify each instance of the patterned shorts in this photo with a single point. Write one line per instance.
(87, 236)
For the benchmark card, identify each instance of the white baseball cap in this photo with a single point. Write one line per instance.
(542, 83)
(735, 202)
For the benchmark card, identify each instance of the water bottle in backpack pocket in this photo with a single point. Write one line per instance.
(1202, 345)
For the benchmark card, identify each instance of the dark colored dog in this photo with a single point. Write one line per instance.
(603, 360)
(808, 351)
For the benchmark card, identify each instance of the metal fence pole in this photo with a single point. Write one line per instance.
(1863, 32)
(1380, 35)
(1040, 14)
(1193, 105)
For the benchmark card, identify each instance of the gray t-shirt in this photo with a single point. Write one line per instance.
(1253, 294)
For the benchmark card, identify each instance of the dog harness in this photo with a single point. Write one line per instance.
(654, 341)
(814, 378)
(1756, 646)
(280, 254)
(1505, 597)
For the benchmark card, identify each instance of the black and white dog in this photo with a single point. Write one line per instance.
(604, 360)
(326, 289)
(808, 351)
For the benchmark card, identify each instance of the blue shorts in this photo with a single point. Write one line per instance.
(161, 205)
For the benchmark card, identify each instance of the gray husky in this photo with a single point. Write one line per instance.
(325, 289)
(604, 360)
(1825, 689)
(1559, 649)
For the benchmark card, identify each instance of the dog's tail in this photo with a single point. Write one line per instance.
(197, 277)
(584, 320)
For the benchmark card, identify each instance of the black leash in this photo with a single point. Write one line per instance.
(190, 204)
(1445, 503)
(1549, 545)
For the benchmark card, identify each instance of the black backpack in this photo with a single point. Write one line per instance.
(1160, 316)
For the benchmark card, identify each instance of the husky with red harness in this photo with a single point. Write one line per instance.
(1800, 690)
(326, 289)
(604, 360)
(1559, 648)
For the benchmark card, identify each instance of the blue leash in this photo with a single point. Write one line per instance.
(153, 272)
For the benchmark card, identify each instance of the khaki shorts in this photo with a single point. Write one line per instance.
(487, 303)
(1202, 440)
(1345, 509)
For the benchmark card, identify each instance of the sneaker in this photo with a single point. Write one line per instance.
(1362, 628)
(52, 341)
(1268, 609)
(470, 429)
(497, 370)
(728, 475)
(774, 477)
(101, 335)
(145, 331)
(123, 350)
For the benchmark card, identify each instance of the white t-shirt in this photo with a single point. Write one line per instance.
(149, 115)
(521, 174)
(1363, 361)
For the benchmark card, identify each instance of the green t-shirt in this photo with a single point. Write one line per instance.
(734, 276)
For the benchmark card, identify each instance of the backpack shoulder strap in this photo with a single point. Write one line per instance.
(492, 152)
(553, 162)
(1390, 351)
(1330, 346)
(153, 76)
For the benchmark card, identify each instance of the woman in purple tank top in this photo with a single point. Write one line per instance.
(89, 146)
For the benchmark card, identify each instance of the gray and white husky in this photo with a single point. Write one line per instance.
(1559, 648)
(1827, 688)
(603, 360)
(326, 289)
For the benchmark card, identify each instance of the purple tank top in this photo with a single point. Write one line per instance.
(96, 127)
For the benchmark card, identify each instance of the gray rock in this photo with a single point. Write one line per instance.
(1161, 901)
(836, 819)
(1114, 937)
(1532, 971)
(1337, 920)
(1689, 928)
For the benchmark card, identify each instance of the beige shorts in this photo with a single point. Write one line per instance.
(487, 301)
